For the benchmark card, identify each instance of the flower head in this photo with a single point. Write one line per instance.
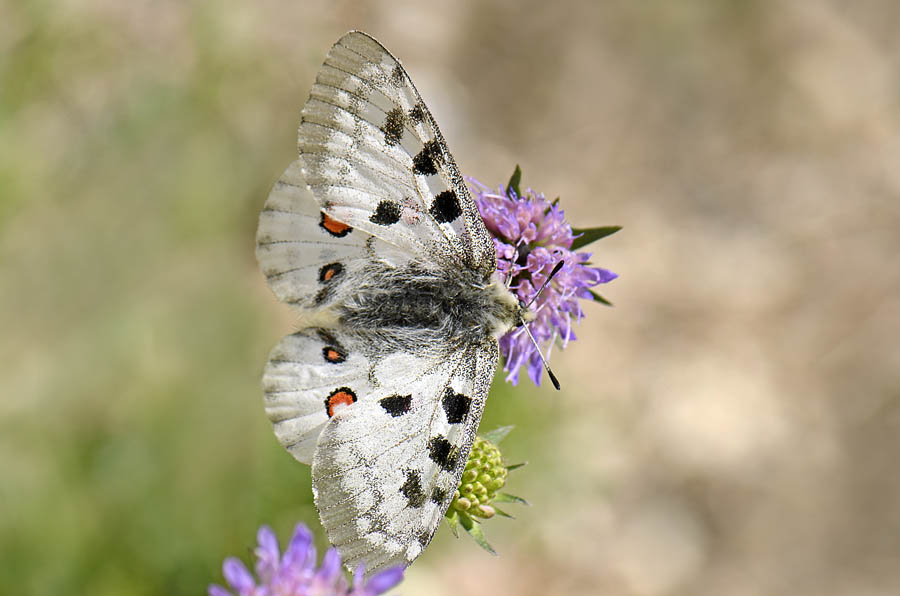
(531, 236)
(295, 574)
(478, 493)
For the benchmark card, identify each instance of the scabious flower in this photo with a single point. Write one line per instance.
(531, 236)
(295, 574)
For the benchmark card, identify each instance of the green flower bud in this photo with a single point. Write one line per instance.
(479, 489)
(483, 477)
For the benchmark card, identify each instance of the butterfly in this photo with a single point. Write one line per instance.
(374, 238)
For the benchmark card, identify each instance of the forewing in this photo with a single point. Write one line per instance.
(385, 469)
(374, 158)
(304, 255)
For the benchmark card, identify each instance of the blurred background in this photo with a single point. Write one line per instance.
(731, 427)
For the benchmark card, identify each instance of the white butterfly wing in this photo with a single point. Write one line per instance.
(301, 383)
(386, 424)
(306, 256)
(388, 438)
(385, 469)
(374, 158)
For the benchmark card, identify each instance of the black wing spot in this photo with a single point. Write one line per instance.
(387, 213)
(425, 163)
(412, 489)
(443, 453)
(456, 405)
(396, 405)
(445, 207)
(438, 495)
(393, 126)
(330, 271)
(417, 114)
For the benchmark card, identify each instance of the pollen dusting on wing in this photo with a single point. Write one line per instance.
(411, 213)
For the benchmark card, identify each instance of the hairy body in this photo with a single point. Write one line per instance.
(422, 310)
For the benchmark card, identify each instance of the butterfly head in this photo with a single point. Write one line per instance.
(524, 314)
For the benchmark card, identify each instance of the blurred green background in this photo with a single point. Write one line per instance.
(732, 427)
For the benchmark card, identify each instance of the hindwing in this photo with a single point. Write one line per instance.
(388, 437)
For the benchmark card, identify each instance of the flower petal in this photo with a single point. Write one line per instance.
(237, 576)
(217, 590)
(383, 581)
(300, 553)
(267, 554)
(531, 236)
(331, 566)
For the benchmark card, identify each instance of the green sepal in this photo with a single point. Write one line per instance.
(599, 298)
(589, 235)
(474, 529)
(555, 202)
(453, 521)
(516, 466)
(501, 513)
(508, 498)
(498, 434)
(514, 181)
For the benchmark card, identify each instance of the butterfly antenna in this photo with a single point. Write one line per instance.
(548, 280)
(509, 276)
(538, 348)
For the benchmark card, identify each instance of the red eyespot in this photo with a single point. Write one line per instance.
(328, 272)
(334, 227)
(333, 355)
(339, 397)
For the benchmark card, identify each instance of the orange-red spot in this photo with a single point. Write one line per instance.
(327, 272)
(333, 226)
(332, 355)
(339, 397)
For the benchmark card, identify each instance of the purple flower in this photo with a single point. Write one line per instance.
(294, 573)
(531, 236)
